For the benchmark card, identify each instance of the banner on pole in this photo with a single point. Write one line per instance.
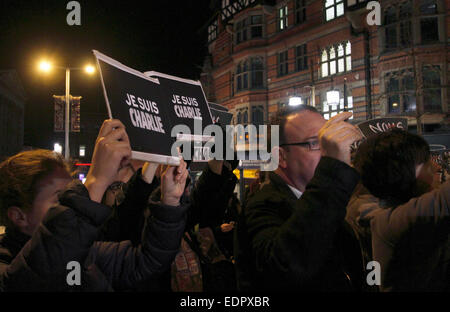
(75, 113)
(60, 115)
(58, 120)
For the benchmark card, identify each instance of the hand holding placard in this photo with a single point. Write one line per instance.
(336, 137)
(173, 181)
(112, 151)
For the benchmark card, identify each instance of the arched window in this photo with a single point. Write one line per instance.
(257, 115)
(250, 74)
(336, 59)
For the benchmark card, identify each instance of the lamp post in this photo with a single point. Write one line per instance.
(46, 67)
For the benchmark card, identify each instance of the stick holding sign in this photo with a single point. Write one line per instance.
(137, 101)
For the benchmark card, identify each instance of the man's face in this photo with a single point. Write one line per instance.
(47, 196)
(299, 161)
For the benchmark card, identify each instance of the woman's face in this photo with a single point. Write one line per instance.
(48, 190)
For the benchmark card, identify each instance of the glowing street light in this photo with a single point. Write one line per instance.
(295, 100)
(89, 69)
(46, 66)
(333, 97)
(57, 148)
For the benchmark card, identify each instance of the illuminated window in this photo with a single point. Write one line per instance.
(333, 9)
(331, 110)
(400, 91)
(336, 59)
(82, 150)
(282, 18)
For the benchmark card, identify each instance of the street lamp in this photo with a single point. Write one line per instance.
(46, 67)
(295, 100)
(333, 97)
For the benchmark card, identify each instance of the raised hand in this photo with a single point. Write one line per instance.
(173, 181)
(336, 137)
(112, 151)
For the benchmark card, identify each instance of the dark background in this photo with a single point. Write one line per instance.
(165, 36)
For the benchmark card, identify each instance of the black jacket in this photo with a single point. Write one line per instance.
(290, 244)
(69, 233)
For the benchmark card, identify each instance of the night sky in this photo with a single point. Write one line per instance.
(166, 36)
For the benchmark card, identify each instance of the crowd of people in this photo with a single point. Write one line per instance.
(316, 223)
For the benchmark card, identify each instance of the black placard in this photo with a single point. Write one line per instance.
(185, 100)
(139, 103)
(378, 125)
(220, 114)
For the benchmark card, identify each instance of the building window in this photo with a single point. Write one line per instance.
(336, 59)
(257, 73)
(242, 116)
(400, 92)
(301, 58)
(250, 74)
(282, 18)
(429, 29)
(248, 28)
(242, 76)
(300, 11)
(212, 32)
(283, 64)
(330, 110)
(333, 9)
(431, 76)
(82, 151)
(257, 115)
(404, 21)
(397, 26)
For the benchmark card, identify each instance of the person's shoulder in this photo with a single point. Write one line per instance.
(270, 192)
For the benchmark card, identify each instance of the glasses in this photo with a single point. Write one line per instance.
(311, 145)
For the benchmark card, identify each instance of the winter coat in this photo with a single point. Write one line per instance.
(290, 244)
(69, 232)
(411, 242)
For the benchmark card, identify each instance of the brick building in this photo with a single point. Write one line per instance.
(262, 53)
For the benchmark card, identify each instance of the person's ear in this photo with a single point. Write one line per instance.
(17, 217)
(282, 163)
(419, 169)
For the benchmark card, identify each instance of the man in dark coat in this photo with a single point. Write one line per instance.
(289, 233)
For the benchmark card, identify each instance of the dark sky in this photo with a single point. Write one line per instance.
(165, 36)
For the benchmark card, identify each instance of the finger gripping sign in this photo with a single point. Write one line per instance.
(150, 107)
